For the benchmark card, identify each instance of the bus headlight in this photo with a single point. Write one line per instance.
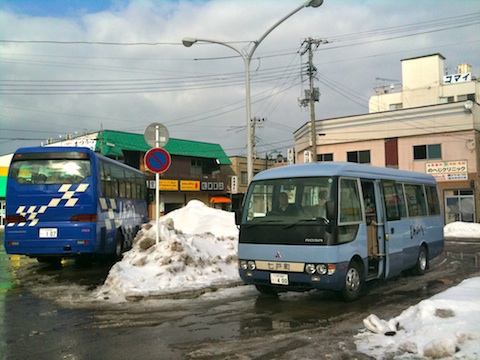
(310, 269)
(242, 264)
(322, 269)
(251, 265)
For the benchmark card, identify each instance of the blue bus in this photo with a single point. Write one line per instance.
(334, 226)
(70, 202)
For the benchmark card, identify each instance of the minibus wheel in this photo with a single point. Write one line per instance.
(353, 282)
(421, 266)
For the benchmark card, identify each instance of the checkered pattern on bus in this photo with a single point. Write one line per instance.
(113, 221)
(67, 199)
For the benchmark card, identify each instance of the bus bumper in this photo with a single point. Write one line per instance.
(296, 281)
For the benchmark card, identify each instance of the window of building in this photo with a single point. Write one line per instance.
(396, 106)
(459, 205)
(360, 157)
(243, 178)
(324, 157)
(424, 152)
(466, 97)
(196, 167)
(446, 99)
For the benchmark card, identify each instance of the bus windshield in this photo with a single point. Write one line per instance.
(51, 171)
(288, 200)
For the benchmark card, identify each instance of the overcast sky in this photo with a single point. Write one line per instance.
(77, 66)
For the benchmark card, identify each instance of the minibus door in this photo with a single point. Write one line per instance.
(375, 219)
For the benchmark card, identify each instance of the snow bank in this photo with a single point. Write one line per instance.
(197, 251)
(446, 325)
(462, 230)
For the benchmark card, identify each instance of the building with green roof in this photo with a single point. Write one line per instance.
(198, 170)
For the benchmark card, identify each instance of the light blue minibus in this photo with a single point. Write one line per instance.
(342, 224)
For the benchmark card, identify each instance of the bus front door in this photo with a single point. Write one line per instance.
(376, 236)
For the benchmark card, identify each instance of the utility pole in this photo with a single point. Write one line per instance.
(312, 95)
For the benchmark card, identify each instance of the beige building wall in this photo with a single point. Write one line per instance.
(425, 110)
(422, 84)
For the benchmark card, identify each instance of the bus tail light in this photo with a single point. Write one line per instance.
(15, 219)
(84, 218)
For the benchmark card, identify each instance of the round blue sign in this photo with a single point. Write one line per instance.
(157, 160)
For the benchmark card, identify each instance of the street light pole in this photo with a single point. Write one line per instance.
(247, 57)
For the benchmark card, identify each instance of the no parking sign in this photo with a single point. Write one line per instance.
(157, 160)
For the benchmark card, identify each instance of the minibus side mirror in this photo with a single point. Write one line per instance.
(238, 216)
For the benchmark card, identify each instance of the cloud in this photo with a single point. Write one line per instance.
(62, 77)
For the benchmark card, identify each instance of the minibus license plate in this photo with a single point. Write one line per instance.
(279, 279)
(48, 232)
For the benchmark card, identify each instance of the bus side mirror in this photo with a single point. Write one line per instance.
(238, 216)
(330, 207)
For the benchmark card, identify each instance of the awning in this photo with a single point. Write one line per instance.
(220, 200)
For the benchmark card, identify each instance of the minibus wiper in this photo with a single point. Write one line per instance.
(267, 221)
(317, 219)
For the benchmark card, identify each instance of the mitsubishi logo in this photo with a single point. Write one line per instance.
(278, 255)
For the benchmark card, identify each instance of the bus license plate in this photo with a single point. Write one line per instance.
(279, 279)
(48, 232)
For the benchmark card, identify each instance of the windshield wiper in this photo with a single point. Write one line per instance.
(266, 221)
(317, 219)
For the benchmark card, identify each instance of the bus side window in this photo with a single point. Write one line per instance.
(432, 200)
(393, 200)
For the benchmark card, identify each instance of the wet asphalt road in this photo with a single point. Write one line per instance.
(46, 313)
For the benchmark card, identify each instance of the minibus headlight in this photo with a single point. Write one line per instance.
(310, 269)
(251, 265)
(242, 264)
(322, 269)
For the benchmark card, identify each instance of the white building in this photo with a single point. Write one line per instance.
(430, 123)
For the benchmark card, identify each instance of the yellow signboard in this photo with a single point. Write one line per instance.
(168, 185)
(189, 185)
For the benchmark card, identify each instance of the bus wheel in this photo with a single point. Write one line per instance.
(84, 260)
(51, 260)
(422, 262)
(267, 290)
(353, 282)
(118, 246)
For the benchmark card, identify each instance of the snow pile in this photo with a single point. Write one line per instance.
(197, 251)
(457, 230)
(445, 326)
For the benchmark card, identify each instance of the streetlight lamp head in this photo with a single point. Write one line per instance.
(315, 3)
(189, 41)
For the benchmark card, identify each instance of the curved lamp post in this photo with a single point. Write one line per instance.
(247, 57)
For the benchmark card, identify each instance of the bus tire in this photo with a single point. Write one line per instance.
(421, 266)
(55, 261)
(117, 256)
(266, 290)
(353, 282)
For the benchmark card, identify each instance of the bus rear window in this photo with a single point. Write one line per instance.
(54, 171)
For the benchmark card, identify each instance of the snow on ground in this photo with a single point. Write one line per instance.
(197, 251)
(446, 325)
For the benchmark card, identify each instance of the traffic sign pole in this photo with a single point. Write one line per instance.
(157, 160)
